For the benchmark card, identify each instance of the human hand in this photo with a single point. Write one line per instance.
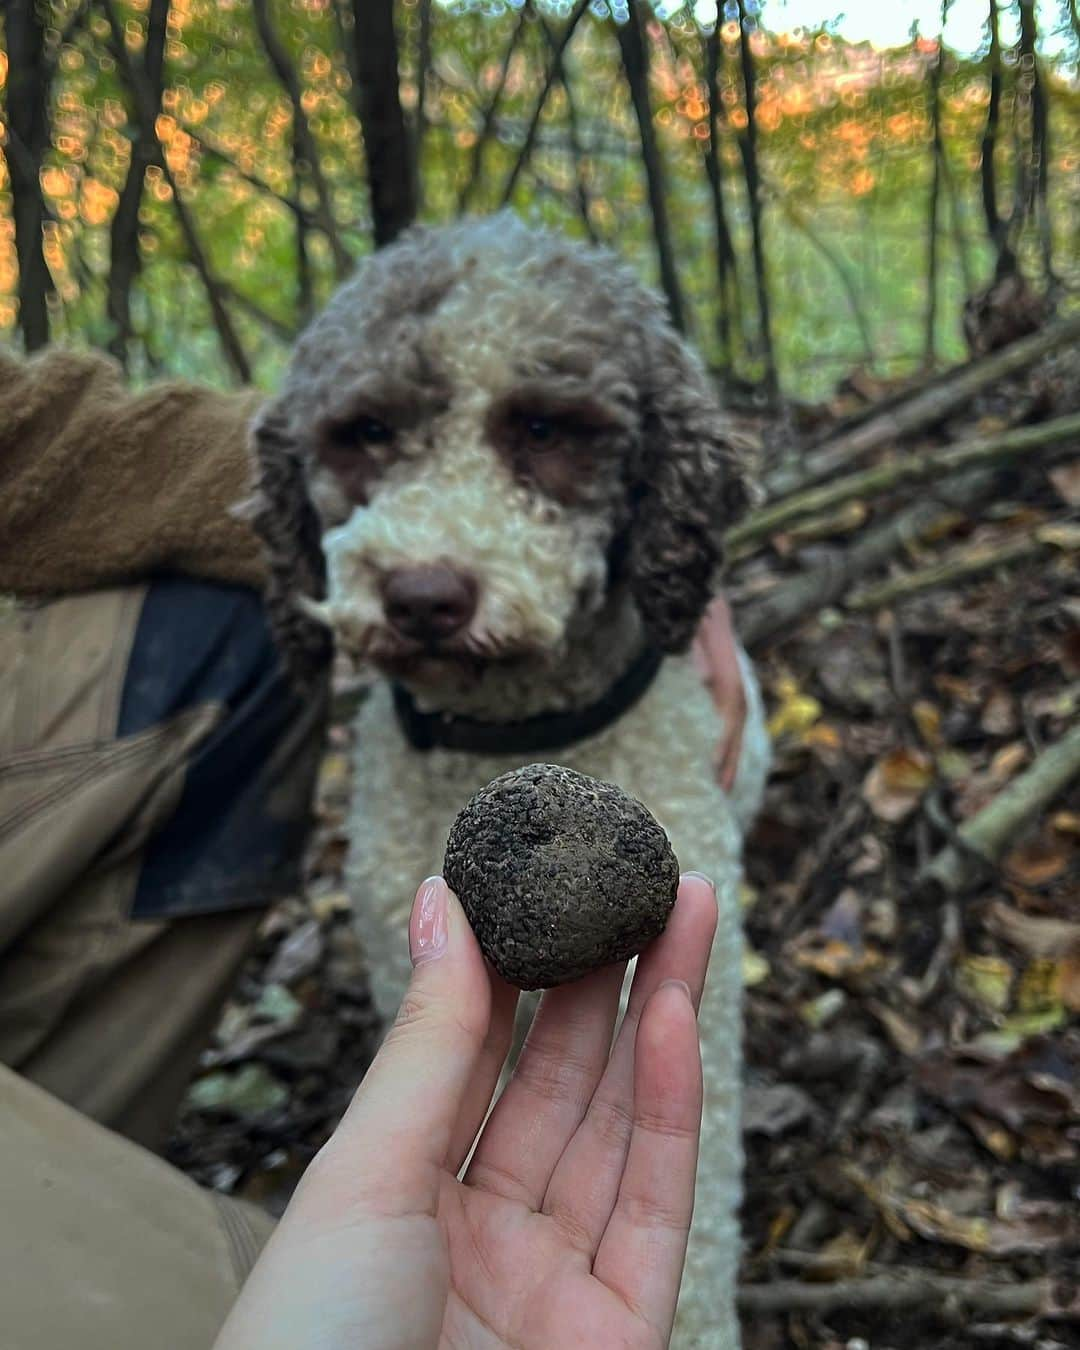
(716, 659)
(570, 1224)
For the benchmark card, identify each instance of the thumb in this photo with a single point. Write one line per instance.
(405, 1109)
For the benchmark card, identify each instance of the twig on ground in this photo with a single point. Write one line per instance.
(989, 833)
(926, 407)
(912, 468)
(902, 1289)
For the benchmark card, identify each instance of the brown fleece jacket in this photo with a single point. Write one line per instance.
(100, 486)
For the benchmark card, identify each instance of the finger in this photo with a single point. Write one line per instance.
(405, 1111)
(642, 1251)
(554, 1080)
(585, 1183)
(485, 1078)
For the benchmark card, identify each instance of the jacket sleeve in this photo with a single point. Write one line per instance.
(100, 485)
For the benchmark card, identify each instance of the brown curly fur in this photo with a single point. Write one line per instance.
(679, 480)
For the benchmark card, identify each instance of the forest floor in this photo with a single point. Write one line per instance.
(912, 1104)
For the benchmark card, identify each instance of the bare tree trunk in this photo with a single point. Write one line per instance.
(727, 276)
(134, 77)
(306, 153)
(28, 139)
(125, 256)
(996, 226)
(635, 59)
(391, 177)
(553, 75)
(748, 150)
(936, 153)
(574, 130)
(1031, 84)
(423, 69)
(487, 126)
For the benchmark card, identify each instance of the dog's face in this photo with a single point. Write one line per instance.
(493, 428)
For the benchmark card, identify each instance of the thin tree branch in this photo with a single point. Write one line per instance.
(552, 74)
(635, 58)
(134, 78)
(487, 125)
(913, 468)
(306, 162)
(125, 257)
(747, 142)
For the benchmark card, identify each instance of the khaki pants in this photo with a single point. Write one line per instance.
(155, 779)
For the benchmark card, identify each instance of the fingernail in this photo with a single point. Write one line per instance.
(428, 925)
(702, 877)
(680, 984)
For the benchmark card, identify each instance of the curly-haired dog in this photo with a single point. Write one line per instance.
(519, 473)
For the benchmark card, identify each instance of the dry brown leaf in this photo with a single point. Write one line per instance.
(1007, 762)
(999, 714)
(927, 717)
(895, 785)
(1066, 481)
(1034, 935)
(1039, 860)
(1032, 1227)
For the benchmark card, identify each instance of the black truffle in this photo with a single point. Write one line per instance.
(559, 873)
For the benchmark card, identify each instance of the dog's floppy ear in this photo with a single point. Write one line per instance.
(285, 518)
(690, 488)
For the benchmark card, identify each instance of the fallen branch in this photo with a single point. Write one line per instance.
(987, 835)
(927, 407)
(766, 616)
(972, 563)
(903, 1290)
(551, 78)
(902, 472)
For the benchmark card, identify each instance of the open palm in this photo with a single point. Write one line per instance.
(569, 1225)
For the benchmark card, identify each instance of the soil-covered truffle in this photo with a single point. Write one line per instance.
(559, 873)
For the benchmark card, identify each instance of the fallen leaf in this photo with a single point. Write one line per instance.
(842, 1257)
(835, 959)
(250, 1091)
(1033, 1227)
(1039, 860)
(895, 785)
(999, 714)
(298, 955)
(1038, 1082)
(927, 718)
(796, 711)
(773, 1109)
(1034, 935)
(755, 968)
(1066, 481)
(1039, 987)
(986, 980)
(818, 1012)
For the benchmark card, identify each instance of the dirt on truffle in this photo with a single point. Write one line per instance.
(559, 874)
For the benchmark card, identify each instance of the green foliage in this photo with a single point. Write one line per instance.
(843, 140)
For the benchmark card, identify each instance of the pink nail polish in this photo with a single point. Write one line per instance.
(428, 925)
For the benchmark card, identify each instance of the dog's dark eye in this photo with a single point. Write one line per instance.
(362, 430)
(540, 431)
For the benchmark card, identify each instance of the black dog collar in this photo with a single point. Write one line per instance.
(532, 735)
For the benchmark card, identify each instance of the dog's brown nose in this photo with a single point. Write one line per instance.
(430, 603)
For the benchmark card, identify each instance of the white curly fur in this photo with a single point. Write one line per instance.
(439, 329)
